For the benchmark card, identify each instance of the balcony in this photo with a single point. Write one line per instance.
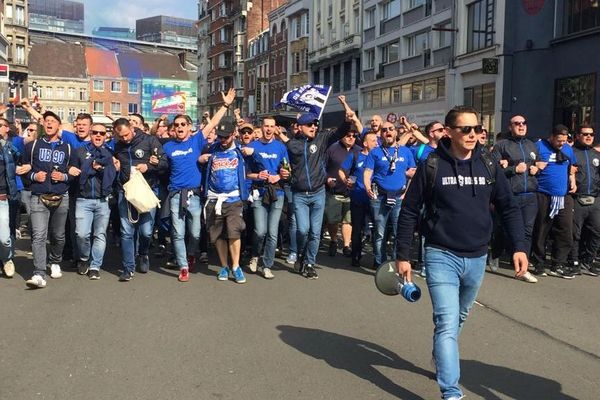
(220, 73)
(219, 48)
(219, 23)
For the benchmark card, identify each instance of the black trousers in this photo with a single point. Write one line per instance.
(561, 228)
(586, 232)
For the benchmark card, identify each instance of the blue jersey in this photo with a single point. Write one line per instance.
(73, 140)
(183, 162)
(271, 156)
(420, 152)
(224, 174)
(389, 165)
(554, 179)
(354, 165)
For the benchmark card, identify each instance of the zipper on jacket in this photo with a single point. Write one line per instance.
(589, 173)
(524, 173)
(306, 166)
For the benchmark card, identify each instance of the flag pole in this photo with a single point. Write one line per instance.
(324, 105)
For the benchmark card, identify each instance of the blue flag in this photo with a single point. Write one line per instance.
(307, 98)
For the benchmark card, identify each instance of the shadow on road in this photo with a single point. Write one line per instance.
(356, 356)
(481, 379)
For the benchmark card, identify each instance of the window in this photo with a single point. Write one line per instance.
(20, 54)
(60, 92)
(574, 100)
(389, 53)
(49, 92)
(83, 110)
(444, 36)
(83, 94)
(132, 87)
(327, 76)
(71, 116)
(348, 75)
(385, 97)
(391, 9)
(370, 59)
(431, 89)
(60, 112)
(115, 87)
(316, 77)
(370, 18)
(98, 107)
(98, 85)
(337, 78)
(415, 44)
(396, 95)
(71, 93)
(356, 21)
(9, 12)
(480, 27)
(20, 15)
(415, 3)
(417, 91)
(368, 100)
(580, 15)
(115, 108)
(376, 98)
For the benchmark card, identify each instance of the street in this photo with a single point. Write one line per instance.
(289, 338)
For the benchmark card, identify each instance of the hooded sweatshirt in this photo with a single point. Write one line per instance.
(462, 223)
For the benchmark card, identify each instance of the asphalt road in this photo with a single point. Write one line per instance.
(289, 338)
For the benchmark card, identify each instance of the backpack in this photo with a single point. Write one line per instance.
(431, 168)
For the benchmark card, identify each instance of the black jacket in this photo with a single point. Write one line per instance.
(462, 196)
(138, 151)
(307, 158)
(516, 150)
(588, 170)
(91, 183)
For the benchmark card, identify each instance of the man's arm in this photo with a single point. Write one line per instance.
(30, 110)
(216, 119)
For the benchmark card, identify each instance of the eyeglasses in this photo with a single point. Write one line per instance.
(31, 130)
(247, 133)
(587, 134)
(103, 133)
(311, 124)
(179, 124)
(4, 125)
(351, 135)
(520, 123)
(467, 129)
(384, 130)
(437, 130)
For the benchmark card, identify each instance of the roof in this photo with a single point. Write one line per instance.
(102, 63)
(57, 59)
(163, 66)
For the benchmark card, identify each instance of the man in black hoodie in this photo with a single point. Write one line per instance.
(455, 253)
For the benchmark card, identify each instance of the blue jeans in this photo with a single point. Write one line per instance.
(143, 227)
(266, 223)
(382, 214)
(91, 213)
(191, 220)
(453, 283)
(308, 208)
(293, 229)
(6, 242)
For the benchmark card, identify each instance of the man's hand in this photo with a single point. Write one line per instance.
(521, 263)
(504, 163)
(405, 270)
(521, 168)
(247, 151)
(342, 99)
(153, 160)
(263, 175)
(97, 166)
(273, 179)
(229, 97)
(331, 182)
(533, 170)
(117, 164)
(142, 168)
(25, 103)
(203, 159)
(73, 171)
(371, 193)
(285, 174)
(23, 169)
(57, 176)
(40, 176)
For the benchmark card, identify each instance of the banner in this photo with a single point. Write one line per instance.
(307, 98)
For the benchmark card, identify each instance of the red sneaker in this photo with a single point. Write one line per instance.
(184, 275)
(191, 263)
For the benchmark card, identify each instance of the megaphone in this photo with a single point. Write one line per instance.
(389, 282)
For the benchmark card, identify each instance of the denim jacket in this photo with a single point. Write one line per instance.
(8, 156)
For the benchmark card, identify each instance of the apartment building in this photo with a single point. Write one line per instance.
(278, 57)
(4, 44)
(335, 52)
(297, 13)
(56, 15)
(17, 33)
(204, 19)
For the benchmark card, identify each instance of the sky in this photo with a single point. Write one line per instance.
(123, 13)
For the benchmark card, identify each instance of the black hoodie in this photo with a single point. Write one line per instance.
(138, 151)
(463, 223)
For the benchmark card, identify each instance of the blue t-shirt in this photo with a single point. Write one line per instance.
(73, 140)
(554, 179)
(380, 160)
(224, 177)
(424, 149)
(183, 162)
(271, 155)
(358, 193)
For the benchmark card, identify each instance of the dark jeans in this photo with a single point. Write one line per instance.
(586, 232)
(358, 215)
(528, 204)
(561, 227)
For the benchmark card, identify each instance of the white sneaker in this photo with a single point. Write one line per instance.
(36, 282)
(528, 277)
(55, 271)
(253, 265)
(267, 273)
(9, 269)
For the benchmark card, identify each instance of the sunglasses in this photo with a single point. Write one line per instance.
(467, 129)
(437, 130)
(520, 123)
(32, 130)
(179, 124)
(384, 130)
(247, 133)
(103, 133)
(311, 124)
(587, 134)
(351, 135)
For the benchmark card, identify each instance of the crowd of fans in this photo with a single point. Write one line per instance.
(248, 192)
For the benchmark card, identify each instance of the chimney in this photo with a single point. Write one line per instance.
(182, 59)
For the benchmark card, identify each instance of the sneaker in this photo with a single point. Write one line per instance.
(36, 282)
(347, 251)
(355, 263)
(93, 274)
(576, 268)
(171, 263)
(291, 258)
(144, 264)
(539, 270)
(223, 274)
(561, 271)
(82, 267)
(253, 264)
(267, 273)
(527, 277)
(18, 235)
(588, 269)
(238, 275)
(203, 259)
(9, 269)
(125, 276)
(456, 398)
(55, 272)
(309, 272)
(423, 273)
(184, 275)
(191, 260)
(493, 264)
(332, 248)
(298, 267)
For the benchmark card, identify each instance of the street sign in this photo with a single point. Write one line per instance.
(4, 73)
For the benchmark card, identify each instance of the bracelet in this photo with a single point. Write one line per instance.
(226, 105)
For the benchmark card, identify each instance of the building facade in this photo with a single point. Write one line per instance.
(4, 44)
(17, 34)
(56, 15)
(335, 53)
(167, 30)
(203, 61)
(114, 32)
(278, 57)
(297, 13)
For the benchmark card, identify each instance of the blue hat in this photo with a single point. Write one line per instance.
(307, 118)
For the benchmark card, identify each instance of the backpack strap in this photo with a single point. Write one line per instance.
(420, 151)
(431, 168)
(490, 166)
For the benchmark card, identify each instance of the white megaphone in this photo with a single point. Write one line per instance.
(389, 282)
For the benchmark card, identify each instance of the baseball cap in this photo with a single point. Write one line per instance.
(307, 118)
(245, 126)
(53, 115)
(225, 129)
